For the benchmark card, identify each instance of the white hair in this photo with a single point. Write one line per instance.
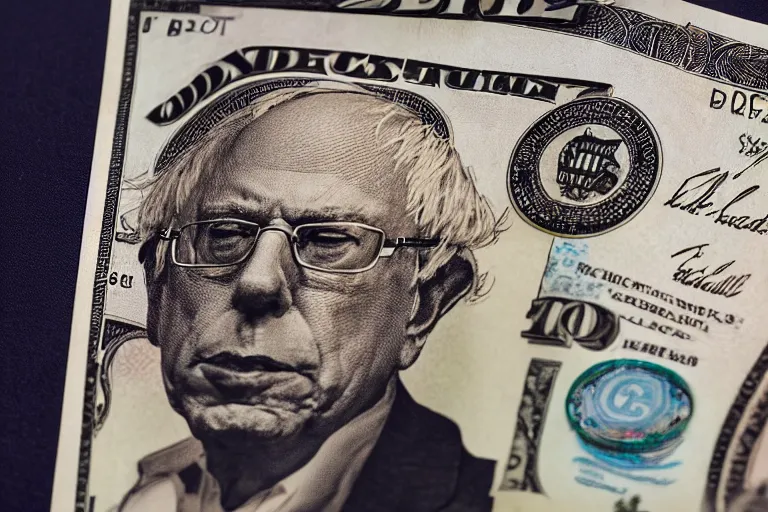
(443, 199)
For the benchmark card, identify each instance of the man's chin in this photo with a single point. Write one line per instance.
(244, 421)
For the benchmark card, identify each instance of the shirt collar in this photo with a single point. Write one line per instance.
(324, 483)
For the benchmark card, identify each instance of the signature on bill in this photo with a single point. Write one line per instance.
(698, 196)
(716, 281)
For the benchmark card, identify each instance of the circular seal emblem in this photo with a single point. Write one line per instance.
(585, 168)
(630, 412)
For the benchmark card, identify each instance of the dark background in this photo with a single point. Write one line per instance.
(52, 62)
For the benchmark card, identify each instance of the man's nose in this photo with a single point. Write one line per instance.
(262, 288)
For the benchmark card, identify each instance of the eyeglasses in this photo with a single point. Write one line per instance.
(338, 247)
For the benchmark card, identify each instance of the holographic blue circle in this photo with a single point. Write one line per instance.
(629, 406)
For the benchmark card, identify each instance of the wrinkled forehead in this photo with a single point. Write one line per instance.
(318, 149)
(332, 133)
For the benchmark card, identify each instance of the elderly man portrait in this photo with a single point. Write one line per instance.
(297, 257)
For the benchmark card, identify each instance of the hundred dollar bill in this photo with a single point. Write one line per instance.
(400, 255)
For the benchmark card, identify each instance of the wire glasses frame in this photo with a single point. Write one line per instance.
(335, 247)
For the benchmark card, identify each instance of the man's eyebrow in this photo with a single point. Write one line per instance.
(330, 213)
(230, 209)
(253, 211)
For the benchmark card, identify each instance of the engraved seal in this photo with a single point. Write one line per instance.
(585, 168)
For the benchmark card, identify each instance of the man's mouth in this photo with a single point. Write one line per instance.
(246, 364)
(251, 379)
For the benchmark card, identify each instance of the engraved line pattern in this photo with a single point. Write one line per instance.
(102, 264)
(756, 417)
(687, 47)
(521, 473)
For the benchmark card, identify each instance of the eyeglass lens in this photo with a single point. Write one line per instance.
(215, 243)
(329, 246)
(338, 246)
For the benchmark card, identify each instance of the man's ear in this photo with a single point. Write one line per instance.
(153, 282)
(154, 291)
(436, 296)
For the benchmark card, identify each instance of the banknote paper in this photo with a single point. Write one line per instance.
(401, 255)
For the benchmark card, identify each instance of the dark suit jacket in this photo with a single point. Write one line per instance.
(420, 465)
